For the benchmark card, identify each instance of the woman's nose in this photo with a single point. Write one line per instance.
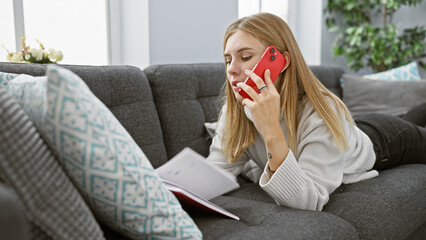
(234, 69)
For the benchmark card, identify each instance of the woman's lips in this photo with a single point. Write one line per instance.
(234, 85)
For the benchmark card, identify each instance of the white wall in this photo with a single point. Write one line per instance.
(136, 41)
(305, 21)
(188, 31)
(129, 33)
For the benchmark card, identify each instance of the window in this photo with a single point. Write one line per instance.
(78, 28)
(249, 7)
(7, 34)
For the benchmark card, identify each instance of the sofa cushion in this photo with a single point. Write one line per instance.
(52, 204)
(111, 171)
(390, 206)
(186, 95)
(265, 220)
(392, 97)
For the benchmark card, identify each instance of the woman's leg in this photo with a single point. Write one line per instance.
(417, 115)
(395, 140)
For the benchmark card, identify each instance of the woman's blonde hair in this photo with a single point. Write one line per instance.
(296, 83)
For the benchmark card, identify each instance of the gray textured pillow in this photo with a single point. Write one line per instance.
(51, 203)
(393, 97)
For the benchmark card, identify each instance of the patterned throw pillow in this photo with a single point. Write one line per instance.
(110, 170)
(53, 206)
(409, 72)
(5, 78)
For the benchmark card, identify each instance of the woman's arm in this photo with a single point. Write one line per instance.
(265, 110)
(307, 182)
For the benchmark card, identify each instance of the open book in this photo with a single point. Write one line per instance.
(195, 181)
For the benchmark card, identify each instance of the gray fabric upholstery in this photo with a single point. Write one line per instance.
(422, 71)
(262, 217)
(186, 96)
(268, 220)
(13, 224)
(52, 204)
(330, 77)
(390, 206)
(125, 91)
(363, 95)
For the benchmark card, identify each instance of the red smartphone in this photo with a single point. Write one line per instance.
(271, 59)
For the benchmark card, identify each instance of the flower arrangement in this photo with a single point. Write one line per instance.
(34, 55)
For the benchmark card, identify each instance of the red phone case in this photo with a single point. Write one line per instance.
(271, 59)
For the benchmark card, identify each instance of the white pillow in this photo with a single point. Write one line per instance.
(112, 173)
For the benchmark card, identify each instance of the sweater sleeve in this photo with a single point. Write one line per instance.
(307, 182)
(216, 155)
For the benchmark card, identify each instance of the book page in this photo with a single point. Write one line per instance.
(190, 170)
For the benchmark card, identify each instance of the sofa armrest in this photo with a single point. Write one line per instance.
(13, 224)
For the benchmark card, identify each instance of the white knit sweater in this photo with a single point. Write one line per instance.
(305, 179)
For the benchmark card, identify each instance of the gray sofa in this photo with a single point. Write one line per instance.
(165, 107)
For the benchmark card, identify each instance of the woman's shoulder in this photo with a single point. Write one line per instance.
(307, 108)
(309, 116)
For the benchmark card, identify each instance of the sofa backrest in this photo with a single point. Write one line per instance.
(330, 77)
(164, 107)
(126, 92)
(186, 96)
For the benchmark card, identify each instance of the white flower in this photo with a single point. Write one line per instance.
(55, 55)
(36, 53)
(17, 57)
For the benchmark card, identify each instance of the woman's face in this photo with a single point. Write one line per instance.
(242, 52)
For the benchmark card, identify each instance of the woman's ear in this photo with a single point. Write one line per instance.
(287, 60)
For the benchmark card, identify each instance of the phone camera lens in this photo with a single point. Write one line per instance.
(272, 50)
(272, 58)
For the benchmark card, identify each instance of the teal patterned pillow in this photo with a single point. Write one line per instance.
(409, 72)
(112, 173)
(5, 78)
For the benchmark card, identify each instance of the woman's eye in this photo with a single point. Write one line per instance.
(246, 58)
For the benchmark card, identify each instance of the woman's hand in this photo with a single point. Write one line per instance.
(265, 107)
(265, 111)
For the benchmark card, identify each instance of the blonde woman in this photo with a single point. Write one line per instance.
(300, 133)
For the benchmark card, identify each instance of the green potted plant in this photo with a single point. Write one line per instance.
(379, 45)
